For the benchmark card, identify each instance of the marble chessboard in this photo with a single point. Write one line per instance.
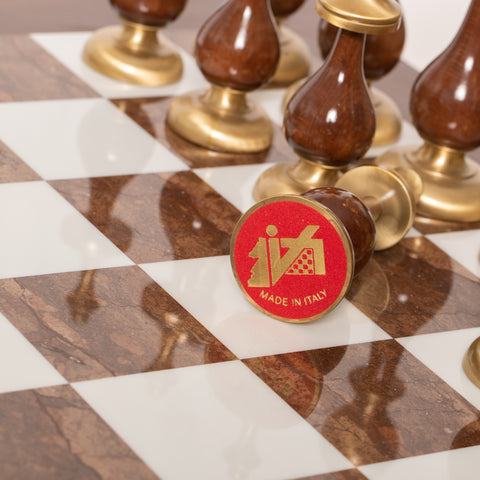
(127, 349)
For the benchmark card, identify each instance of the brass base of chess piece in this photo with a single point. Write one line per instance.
(471, 362)
(391, 197)
(294, 61)
(294, 178)
(133, 53)
(388, 116)
(237, 50)
(221, 119)
(451, 182)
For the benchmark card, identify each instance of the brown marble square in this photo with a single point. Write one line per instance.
(107, 322)
(150, 114)
(155, 217)
(353, 474)
(13, 168)
(28, 72)
(374, 401)
(52, 433)
(415, 288)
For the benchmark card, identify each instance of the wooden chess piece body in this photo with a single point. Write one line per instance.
(294, 256)
(294, 61)
(237, 50)
(135, 52)
(444, 105)
(382, 53)
(330, 121)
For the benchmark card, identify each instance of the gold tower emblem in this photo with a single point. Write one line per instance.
(304, 256)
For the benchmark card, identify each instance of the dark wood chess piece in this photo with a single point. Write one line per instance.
(237, 50)
(444, 105)
(315, 243)
(135, 52)
(330, 121)
(294, 61)
(382, 53)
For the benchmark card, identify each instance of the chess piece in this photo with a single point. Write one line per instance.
(294, 61)
(330, 121)
(135, 52)
(471, 362)
(237, 51)
(382, 53)
(444, 105)
(295, 256)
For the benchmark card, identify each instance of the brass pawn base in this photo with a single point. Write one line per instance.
(471, 362)
(388, 117)
(451, 182)
(389, 197)
(294, 61)
(294, 179)
(221, 119)
(133, 53)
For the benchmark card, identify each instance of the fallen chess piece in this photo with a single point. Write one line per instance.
(294, 257)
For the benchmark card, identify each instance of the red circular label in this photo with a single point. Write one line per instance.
(292, 258)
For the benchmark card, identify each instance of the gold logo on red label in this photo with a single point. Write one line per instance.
(304, 256)
(291, 258)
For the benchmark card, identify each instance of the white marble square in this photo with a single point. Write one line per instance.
(212, 422)
(458, 464)
(425, 40)
(68, 48)
(243, 177)
(207, 289)
(81, 138)
(443, 353)
(42, 233)
(408, 137)
(469, 253)
(271, 101)
(23, 367)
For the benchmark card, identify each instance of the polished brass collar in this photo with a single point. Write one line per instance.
(361, 16)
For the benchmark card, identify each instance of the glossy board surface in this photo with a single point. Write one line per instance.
(127, 350)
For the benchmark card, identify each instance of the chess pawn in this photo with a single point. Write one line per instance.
(330, 120)
(294, 256)
(294, 61)
(444, 106)
(382, 53)
(135, 52)
(237, 50)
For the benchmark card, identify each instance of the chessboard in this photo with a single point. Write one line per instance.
(128, 350)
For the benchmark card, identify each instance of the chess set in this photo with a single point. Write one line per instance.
(167, 303)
